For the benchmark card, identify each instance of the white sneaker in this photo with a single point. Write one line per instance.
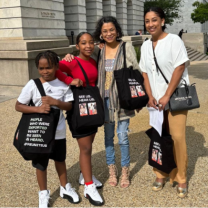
(69, 193)
(97, 183)
(91, 193)
(44, 197)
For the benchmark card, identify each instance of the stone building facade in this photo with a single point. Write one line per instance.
(41, 19)
(28, 27)
(186, 23)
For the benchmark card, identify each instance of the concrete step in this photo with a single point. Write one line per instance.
(196, 57)
(193, 54)
(202, 57)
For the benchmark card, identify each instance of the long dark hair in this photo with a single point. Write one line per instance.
(107, 19)
(159, 12)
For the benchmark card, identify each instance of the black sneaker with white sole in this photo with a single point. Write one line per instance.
(69, 193)
(91, 193)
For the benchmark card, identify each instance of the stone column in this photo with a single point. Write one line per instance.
(109, 8)
(121, 14)
(135, 12)
(75, 16)
(94, 13)
(28, 27)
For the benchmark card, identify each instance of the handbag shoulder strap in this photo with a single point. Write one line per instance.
(124, 54)
(84, 73)
(98, 57)
(158, 65)
(40, 87)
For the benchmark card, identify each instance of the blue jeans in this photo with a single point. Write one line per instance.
(122, 133)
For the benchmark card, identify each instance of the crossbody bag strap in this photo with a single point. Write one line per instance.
(84, 73)
(124, 54)
(158, 65)
(40, 87)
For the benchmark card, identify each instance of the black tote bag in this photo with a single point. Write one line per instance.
(35, 134)
(161, 151)
(88, 110)
(183, 98)
(131, 91)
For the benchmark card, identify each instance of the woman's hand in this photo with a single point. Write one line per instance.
(77, 82)
(163, 102)
(152, 103)
(68, 57)
(101, 45)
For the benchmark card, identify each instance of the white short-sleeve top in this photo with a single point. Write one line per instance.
(55, 89)
(170, 53)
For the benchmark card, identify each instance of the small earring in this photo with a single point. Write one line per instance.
(162, 24)
(101, 37)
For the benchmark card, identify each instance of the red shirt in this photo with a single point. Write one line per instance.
(73, 70)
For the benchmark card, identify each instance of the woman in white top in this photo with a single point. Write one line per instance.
(173, 61)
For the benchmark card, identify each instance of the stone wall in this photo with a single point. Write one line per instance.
(195, 41)
(29, 19)
(82, 15)
(186, 23)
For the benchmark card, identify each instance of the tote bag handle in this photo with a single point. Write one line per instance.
(124, 54)
(40, 87)
(84, 73)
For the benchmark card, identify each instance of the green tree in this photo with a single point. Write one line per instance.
(200, 14)
(170, 7)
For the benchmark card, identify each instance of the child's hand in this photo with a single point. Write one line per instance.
(77, 82)
(44, 108)
(49, 100)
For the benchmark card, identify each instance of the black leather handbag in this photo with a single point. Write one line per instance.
(130, 85)
(88, 109)
(35, 134)
(161, 151)
(183, 98)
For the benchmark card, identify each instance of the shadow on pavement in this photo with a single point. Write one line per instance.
(139, 145)
(195, 147)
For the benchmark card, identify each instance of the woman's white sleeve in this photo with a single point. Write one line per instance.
(179, 53)
(142, 60)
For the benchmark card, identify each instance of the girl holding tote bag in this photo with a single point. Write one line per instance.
(84, 72)
(172, 58)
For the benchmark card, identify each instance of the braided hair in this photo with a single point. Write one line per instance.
(51, 57)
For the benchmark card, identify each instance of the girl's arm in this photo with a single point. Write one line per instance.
(44, 108)
(68, 80)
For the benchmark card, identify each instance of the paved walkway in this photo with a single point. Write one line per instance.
(18, 186)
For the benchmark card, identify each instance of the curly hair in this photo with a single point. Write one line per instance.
(107, 19)
(51, 57)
